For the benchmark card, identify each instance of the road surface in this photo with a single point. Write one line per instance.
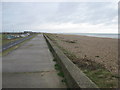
(30, 66)
(11, 44)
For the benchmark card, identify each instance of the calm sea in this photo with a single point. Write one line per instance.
(97, 35)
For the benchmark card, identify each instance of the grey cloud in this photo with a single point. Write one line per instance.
(31, 14)
(93, 13)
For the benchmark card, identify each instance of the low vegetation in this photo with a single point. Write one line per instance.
(5, 40)
(60, 73)
(13, 48)
(95, 71)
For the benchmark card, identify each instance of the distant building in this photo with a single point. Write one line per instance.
(10, 36)
(27, 31)
(24, 35)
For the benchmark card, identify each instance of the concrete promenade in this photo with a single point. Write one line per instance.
(30, 66)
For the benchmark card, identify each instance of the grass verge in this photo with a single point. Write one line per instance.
(13, 48)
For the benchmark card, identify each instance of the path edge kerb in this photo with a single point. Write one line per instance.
(73, 75)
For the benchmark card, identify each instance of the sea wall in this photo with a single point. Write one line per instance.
(74, 76)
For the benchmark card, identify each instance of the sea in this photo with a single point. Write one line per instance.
(103, 35)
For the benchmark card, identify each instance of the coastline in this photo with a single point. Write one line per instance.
(98, 54)
(101, 35)
(101, 50)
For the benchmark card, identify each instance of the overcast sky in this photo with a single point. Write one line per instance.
(61, 17)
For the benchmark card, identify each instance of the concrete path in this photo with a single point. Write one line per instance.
(30, 66)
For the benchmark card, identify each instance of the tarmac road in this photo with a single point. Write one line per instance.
(30, 66)
(11, 44)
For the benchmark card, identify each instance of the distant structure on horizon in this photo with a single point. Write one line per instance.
(24, 32)
(28, 32)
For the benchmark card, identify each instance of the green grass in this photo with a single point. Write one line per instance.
(95, 71)
(102, 78)
(5, 41)
(13, 48)
(57, 67)
(8, 50)
(60, 73)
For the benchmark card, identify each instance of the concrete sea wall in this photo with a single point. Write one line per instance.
(74, 76)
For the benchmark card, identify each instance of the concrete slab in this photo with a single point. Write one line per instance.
(30, 66)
